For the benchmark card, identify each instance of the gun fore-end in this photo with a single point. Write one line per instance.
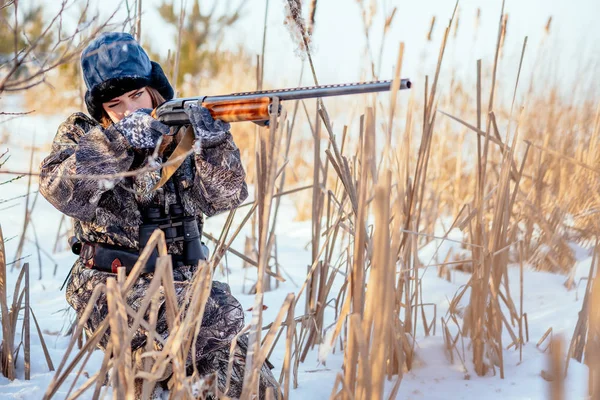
(239, 110)
(233, 110)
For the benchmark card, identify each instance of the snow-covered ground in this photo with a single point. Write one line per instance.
(546, 301)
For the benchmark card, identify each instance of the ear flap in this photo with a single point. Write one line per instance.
(159, 81)
(94, 110)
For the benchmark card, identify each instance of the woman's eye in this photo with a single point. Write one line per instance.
(113, 105)
(138, 94)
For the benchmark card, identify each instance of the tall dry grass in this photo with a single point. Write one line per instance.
(18, 307)
(518, 178)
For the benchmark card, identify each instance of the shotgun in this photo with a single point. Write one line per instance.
(256, 106)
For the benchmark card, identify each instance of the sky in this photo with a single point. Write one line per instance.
(339, 41)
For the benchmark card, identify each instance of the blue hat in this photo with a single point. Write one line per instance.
(114, 64)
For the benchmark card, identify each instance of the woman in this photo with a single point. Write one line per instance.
(123, 85)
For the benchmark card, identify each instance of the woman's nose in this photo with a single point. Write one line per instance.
(130, 108)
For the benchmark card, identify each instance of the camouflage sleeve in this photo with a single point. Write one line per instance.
(220, 179)
(81, 147)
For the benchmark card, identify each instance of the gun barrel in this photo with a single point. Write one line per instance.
(311, 92)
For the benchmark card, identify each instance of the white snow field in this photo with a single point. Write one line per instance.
(547, 302)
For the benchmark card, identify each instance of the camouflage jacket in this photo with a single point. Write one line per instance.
(110, 210)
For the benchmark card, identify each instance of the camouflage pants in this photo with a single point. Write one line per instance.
(222, 321)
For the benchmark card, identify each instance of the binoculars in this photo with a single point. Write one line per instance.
(177, 228)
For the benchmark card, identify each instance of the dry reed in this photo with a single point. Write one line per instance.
(510, 195)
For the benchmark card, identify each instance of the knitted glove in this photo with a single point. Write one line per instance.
(209, 132)
(141, 130)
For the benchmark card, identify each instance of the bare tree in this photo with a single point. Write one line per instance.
(30, 48)
(200, 34)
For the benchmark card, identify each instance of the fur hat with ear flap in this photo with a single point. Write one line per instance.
(113, 64)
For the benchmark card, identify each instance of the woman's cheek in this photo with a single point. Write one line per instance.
(117, 115)
(145, 101)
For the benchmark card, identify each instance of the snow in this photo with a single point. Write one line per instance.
(546, 301)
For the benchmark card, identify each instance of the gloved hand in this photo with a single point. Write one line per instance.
(141, 130)
(209, 132)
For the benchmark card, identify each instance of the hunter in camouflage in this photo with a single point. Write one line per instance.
(109, 211)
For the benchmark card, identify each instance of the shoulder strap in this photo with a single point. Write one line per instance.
(182, 148)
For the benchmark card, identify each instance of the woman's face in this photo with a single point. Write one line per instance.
(120, 107)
